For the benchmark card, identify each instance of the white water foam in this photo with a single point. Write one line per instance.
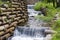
(26, 38)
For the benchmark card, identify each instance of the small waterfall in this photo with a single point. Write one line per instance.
(32, 31)
(25, 33)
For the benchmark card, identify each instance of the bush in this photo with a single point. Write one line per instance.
(56, 27)
(51, 12)
(44, 18)
(38, 5)
(49, 6)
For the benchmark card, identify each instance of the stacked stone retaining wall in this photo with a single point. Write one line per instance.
(11, 17)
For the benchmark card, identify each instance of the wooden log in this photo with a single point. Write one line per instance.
(4, 17)
(5, 36)
(15, 2)
(11, 9)
(6, 10)
(24, 16)
(2, 27)
(17, 18)
(18, 15)
(1, 33)
(24, 9)
(0, 22)
(7, 13)
(14, 23)
(11, 29)
(15, 11)
(15, 6)
(26, 19)
(19, 8)
(21, 20)
(2, 9)
(6, 26)
(12, 16)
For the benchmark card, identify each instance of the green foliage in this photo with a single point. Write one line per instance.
(56, 24)
(44, 18)
(4, 2)
(38, 5)
(1, 2)
(56, 36)
(51, 12)
(56, 27)
(50, 15)
(49, 5)
(58, 9)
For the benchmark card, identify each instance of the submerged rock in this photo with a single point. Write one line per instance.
(48, 37)
(45, 25)
(50, 31)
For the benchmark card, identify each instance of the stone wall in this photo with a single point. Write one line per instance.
(11, 17)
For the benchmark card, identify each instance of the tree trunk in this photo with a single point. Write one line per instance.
(58, 3)
(53, 2)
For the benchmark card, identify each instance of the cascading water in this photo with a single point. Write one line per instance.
(31, 31)
(28, 33)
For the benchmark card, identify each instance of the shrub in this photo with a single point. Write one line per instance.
(38, 5)
(56, 27)
(49, 6)
(51, 12)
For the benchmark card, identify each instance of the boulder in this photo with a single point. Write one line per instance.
(48, 37)
(50, 31)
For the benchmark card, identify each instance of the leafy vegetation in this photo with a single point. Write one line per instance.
(56, 27)
(50, 14)
(51, 11)
(5, 2)
(38, 5)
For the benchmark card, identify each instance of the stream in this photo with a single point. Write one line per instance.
(33, 30)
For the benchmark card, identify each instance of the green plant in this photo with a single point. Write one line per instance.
(5, 2)
(56, 36)
(51, 12)
(38, 5)
(44, 18)
(49, 6)
(56, 27)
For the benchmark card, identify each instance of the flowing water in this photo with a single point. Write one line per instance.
(31, 31)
